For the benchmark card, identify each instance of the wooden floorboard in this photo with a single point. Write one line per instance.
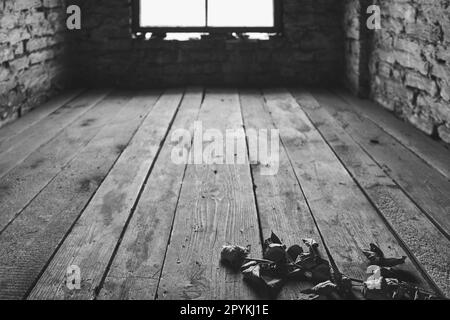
(93, 239)
(216, 207)
(281, 205)
(345, 217)
(13, 151)
(25, 181)
(90, 181)
(424, 240)
(136, 268)
(431, 151)
(28, 243)
(428, 188)
(14, 128)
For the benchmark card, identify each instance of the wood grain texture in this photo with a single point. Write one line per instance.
(216, 207)
(92, 242)
(345, 217)
(136, 268)
(429, 150)
(428, 188)
(428, 245)
(13, 151)
(28, 243)
(25, 181)
(37, 114)
(281, 205)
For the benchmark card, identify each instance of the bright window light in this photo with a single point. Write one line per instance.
(173, 13)
(207, 13)
(240, 13)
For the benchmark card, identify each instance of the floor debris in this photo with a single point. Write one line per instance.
(280, 265)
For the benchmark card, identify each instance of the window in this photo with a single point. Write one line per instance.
(206, 15)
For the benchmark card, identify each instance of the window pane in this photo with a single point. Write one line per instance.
(173, 13)
(241, 13)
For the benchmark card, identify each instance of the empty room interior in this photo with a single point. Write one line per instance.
(224, 149)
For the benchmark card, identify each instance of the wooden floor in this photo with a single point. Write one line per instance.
(87, 180)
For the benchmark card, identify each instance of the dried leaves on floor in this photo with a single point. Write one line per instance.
(384, 281)
(376, 257)
(280, 265)
(234, 256)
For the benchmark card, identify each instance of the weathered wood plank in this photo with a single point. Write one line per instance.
(13, 151)
(345, 217)
(136, 268)
(281, 205)
(24, 182)
(428, 188)
(431, 151)
(91, 243)
(216, 207)
(28, 243)
(429, 246)
(37, 114)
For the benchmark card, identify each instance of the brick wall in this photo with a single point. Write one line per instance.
(310, 51)
(410, 63)
(31, 54)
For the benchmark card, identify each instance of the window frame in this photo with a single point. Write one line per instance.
(137, 28)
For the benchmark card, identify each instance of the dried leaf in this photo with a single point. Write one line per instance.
(294, 252)
(253, 275)
(385, 272)
(321, 272)
(272, 240)
(310, 243)
(392, 262)
(376, 257)
(382, 284)
(248, 265)
(276, 253)
(313, 246)
(325, 288)
(307, 297)
(234, 256)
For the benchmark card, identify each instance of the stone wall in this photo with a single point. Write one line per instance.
(410, 63)
(309, 52)
(31, 54)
